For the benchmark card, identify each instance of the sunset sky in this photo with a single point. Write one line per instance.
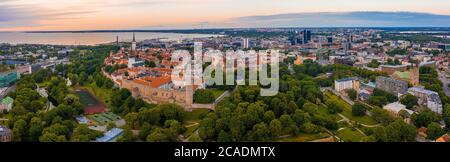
(25, 15)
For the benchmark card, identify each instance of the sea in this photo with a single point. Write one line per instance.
(88, 38)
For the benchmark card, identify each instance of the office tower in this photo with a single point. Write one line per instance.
(245, 43)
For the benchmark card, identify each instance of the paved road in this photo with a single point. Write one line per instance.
(221, 97)
(445, 82)
(9, 89)
(345, 98)
(344, 118)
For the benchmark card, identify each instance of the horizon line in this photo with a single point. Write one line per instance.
(194, 29)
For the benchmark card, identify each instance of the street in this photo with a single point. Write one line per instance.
(445, 82)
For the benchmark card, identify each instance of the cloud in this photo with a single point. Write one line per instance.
(346, 19)
(323, 19)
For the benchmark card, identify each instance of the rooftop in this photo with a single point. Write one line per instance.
(397, 107)
(4, 130)
(347, 79)
(7, 100)
(403, 75)
(111, 135)
(394, 66)
(422, 90)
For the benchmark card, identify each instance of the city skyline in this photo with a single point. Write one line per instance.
(25, 15)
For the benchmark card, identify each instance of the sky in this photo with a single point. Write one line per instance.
(34, 15)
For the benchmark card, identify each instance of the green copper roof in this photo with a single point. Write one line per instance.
(404, 75)
(7, 100)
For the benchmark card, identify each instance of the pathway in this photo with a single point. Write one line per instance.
(445, 82)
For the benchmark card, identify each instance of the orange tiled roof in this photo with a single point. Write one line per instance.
(153, 81)
(444, 138)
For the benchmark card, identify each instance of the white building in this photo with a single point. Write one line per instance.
(427, 98)
(396, 107)
(346, 83)
(133, 62)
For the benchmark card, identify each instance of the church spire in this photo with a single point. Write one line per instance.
(133, 44)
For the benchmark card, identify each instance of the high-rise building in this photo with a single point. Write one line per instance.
(330, 39)
(306, 36)
(302, 38)
(245, 43)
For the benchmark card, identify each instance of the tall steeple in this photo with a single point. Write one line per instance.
(117, 40)
(133, 44)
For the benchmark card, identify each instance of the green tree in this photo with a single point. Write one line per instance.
(195, 138)
(352, 94)
(223, 137)
(36, 129)
(260, 132)
(52, 137)
(399, 131)
(110, 125)
(434, 131)
(425, 118)
(157, 135)
(334, 106)
(207, 129)
(19, 130)
(145, 130)
(381, 115)
(203, 96)
(373, 64)
(446, 116)
(275, 128)
(409, 101)
(171, 112)
(82, 133)
(358, 109)
(127, 135)
(132, 120)
(268, 116)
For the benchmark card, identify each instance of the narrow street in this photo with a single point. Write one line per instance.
(445, 82)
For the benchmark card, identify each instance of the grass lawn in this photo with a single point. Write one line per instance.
(102, 94)
(191, 118)
(195, 115)
(43, 84)
(324, 111)
(191, 127)
(347, 112)
(85, 98)
(304, 138)
(349, 135)
(217, 92)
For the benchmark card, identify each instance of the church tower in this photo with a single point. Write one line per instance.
(133, 44)
(117, 41)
